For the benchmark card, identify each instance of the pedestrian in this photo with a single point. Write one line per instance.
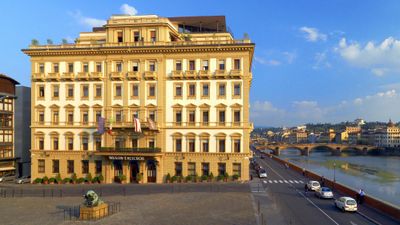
(304, 172)
(286, 166)
(305, 188)
(322, 181)
(251, 176)
(362, 195)
(358, 196)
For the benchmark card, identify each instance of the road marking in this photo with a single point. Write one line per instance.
(301, 182)
(296, 181)
(280, 181)
(352, 223)
(285, 181)
(270, 181)
(291, 181)
(275, 181)
(264, 181)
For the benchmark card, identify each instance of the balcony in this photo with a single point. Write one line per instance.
(67, 76)
(38, 76)
(133, 75)
(96, 76)
(150, 75)
(190, 74)
(236, 73)
(83, 76)
(177, 74)
(116, 75)
(204, 74)
(220, 74)
(130, 150)
(53, 76)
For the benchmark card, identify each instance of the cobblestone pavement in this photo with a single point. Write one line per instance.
(162, 208)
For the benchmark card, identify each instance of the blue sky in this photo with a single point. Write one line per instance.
(315, 61)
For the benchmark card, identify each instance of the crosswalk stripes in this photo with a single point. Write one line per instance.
(283, 181)
(270, 181)
(275, 181)
(296, 181)
(301, 181)
(280, 181)
(291, 181)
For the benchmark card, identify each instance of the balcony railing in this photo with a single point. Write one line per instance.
(133, 75)
(177, 74)
(96, 75)
(38, 76)
(83, 76)
(220, 74)
(208, 124)
(150, 75)
(236, 73)
(68, 76)
(116, 75)
(190, 74)
(53, 76)
(130, 150)
(204, 73)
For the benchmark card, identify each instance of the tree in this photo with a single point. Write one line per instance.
(34, 42)
(49, 41)
(64, 41)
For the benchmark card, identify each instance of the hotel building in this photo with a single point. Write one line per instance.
(186, 79)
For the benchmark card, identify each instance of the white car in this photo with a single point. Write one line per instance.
(262, 173)
(313, 185)
(324, 192)
(346, 204)
(7, 177)
(24, 179)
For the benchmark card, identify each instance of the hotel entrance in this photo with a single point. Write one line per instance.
(151, 171)
(134, 171)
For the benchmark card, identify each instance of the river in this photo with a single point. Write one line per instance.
(379, 176)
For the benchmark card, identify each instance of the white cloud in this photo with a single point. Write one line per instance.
(268, 62)
(312, 34)
(87, 21)
(321, 61)
(379, 58)
(290, 56)
(129, 10)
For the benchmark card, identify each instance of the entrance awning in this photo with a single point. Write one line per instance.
(6, 168)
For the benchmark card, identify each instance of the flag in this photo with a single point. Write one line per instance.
(152, 125)
(111, 120)
(100, 125)
(137, 125)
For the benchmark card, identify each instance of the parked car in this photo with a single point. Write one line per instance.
(346, 204)
(313, 185)
(7, 177)
(24, 179)
(324, 192)
(262, 173)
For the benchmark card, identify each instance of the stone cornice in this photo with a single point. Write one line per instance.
(138, 50)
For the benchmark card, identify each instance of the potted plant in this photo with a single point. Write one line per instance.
(220, 177)
(122, 178)
(139, 177)
(58, 179)
(80, 180)
(38, 181)
(188, 178)
(211, 177)
(101, 178)
(73, 178)
(67, 180)
(174, 179)
(89, 178)
(226, 176)
(204, 178)
(45, 180)
(235, 177)
(168, 178)
(179, 179)
(95, 179)
(52, 180)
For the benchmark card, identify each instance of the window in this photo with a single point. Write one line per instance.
(178, 145)
(98, 89)
(55, 143)
(192, 117)
(205, 117)
(236, 117)
(237, 169)
(134, 142)
(98, 67)
(205, 145)
(152, 90)
(70, 166)
(56, 166)
(41, 143)
(41, 68)
(118, 90)
(98, 166)
(70, 91)
(86, 67)
(152, 143)
(178, 117)
(221, 89)
(85, 166)
(85, 91)
(120, 37)
(192, 90)
(118, 67)
(205, 92)
(85, 117)
(178, 169)
(135, 114)
(153, 36)
(70, 67)
(236, 89)
(191, 169)
(191, 145)
(221, 64)
(135, 66)
(205, 65)
(85, 145)
(98, 143)
(56, 91)
(55, 118)
(41, 166)
(55, 68)
(41, 91)
(152, 66)
(221, 169)
(70, 117)
(221, 145)
(152, 115)
(236, 145)
(192, 65)
(118, 116)
(70, 143)
(178, 65)
(236, 64)
(178, 90)
(221, 117)
(205, 169)
(135, 90)
(136, 36)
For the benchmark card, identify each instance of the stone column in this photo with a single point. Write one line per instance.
(144, 166)
(159, 170)
(125, 171)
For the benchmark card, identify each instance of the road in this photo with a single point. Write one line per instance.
(286, 188)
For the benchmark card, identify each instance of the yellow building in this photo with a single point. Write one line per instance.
(186, 74)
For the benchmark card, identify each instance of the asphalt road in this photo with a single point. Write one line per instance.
(287, 188)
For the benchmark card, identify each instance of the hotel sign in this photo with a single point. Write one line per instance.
(126, 158)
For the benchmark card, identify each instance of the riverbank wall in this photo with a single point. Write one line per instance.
(377, 204)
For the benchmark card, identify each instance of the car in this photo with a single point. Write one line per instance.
(262, 173)
(346, 204)
(262, 156)
(7, 177)
(324, 192)
(313, 185)
(24, 179)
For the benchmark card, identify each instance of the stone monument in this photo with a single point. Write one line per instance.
(93, 208)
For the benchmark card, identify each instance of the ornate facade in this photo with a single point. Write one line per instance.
(185, 79)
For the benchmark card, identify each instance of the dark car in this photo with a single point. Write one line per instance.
(7, 177)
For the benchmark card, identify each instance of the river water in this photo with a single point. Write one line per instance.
(379, 176)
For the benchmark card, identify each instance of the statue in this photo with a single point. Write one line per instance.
(92, 199)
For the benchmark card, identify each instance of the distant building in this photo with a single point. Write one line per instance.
(298, 136)
(388, 136)
(359, 122)
(23, 130)
(7, 106)
(341, 137)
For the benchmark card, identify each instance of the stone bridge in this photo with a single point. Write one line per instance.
(306, 148)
